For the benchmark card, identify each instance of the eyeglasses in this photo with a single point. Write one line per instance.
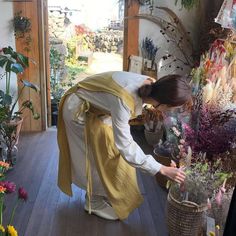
(157, 106)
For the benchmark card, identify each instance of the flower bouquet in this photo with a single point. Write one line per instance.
(153, 123)
(6, 188)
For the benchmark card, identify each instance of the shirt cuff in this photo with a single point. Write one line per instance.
(153, 165)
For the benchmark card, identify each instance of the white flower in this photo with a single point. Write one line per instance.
(182, 141)
(176, 132)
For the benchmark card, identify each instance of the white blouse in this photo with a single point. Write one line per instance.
(120, 116)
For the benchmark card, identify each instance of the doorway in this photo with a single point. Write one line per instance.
(82, 41)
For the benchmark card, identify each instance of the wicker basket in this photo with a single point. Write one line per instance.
(184, 218)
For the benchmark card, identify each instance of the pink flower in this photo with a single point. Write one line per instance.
(182, 141)
(10, 186)
(22, 194)
(219, 196)
(208, 204)
(176, 132)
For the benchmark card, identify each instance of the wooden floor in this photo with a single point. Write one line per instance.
(49, 212)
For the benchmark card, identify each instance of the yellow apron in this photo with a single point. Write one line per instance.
(118, 177)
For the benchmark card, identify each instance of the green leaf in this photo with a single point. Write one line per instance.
(30, 85)
(1, 94)
(7, 100)
(8, 66)
(8, 50)
(3, 60)
(17, 68)
(23, 60)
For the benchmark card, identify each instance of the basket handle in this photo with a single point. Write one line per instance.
(190, 204)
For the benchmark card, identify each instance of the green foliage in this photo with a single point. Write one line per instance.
(73, 68)
(203, 180)
(188, 4)
(55, 64)
(13, 62)
(71, 47)
(55, 58)
(21, 24)
(72, 58)
(22, 29)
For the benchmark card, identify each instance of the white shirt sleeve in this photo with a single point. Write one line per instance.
(128, 148)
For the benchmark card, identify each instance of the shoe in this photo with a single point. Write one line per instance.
(100, 207)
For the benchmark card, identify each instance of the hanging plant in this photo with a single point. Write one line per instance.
(144, 2)
(188, 4)
(22, 29)
(21, 25)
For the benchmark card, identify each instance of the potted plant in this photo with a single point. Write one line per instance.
(56, 89)
(21, 25)
(10, 118)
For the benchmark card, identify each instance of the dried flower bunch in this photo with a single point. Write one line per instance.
(153, 118)
(213, 116)
(149, 51)
(178, 39)
(204, 180)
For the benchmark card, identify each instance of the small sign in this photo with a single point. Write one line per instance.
(135, 64)
(210, 226)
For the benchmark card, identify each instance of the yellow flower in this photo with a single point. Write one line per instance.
(2, 228)
(211, 233)
(2, 189)
(217, 227)
(11, 230)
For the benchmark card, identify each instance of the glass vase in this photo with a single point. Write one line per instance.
(9, 155)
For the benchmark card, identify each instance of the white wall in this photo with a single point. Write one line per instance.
(7, 37)
(191, 20)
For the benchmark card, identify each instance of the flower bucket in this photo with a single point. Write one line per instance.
(153, 138)
(184, 218)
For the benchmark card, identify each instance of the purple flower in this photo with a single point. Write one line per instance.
(10, 186)
(211, 132)
(22, 194)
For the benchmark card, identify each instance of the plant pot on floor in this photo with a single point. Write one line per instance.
(10, 132)
(152, 137)
(54, 110)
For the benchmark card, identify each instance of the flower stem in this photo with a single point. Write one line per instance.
(1, 208)
(8, 79)
(13, 212)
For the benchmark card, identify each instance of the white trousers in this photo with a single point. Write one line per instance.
(75, 135)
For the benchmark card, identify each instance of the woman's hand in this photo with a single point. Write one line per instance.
(176, 174)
